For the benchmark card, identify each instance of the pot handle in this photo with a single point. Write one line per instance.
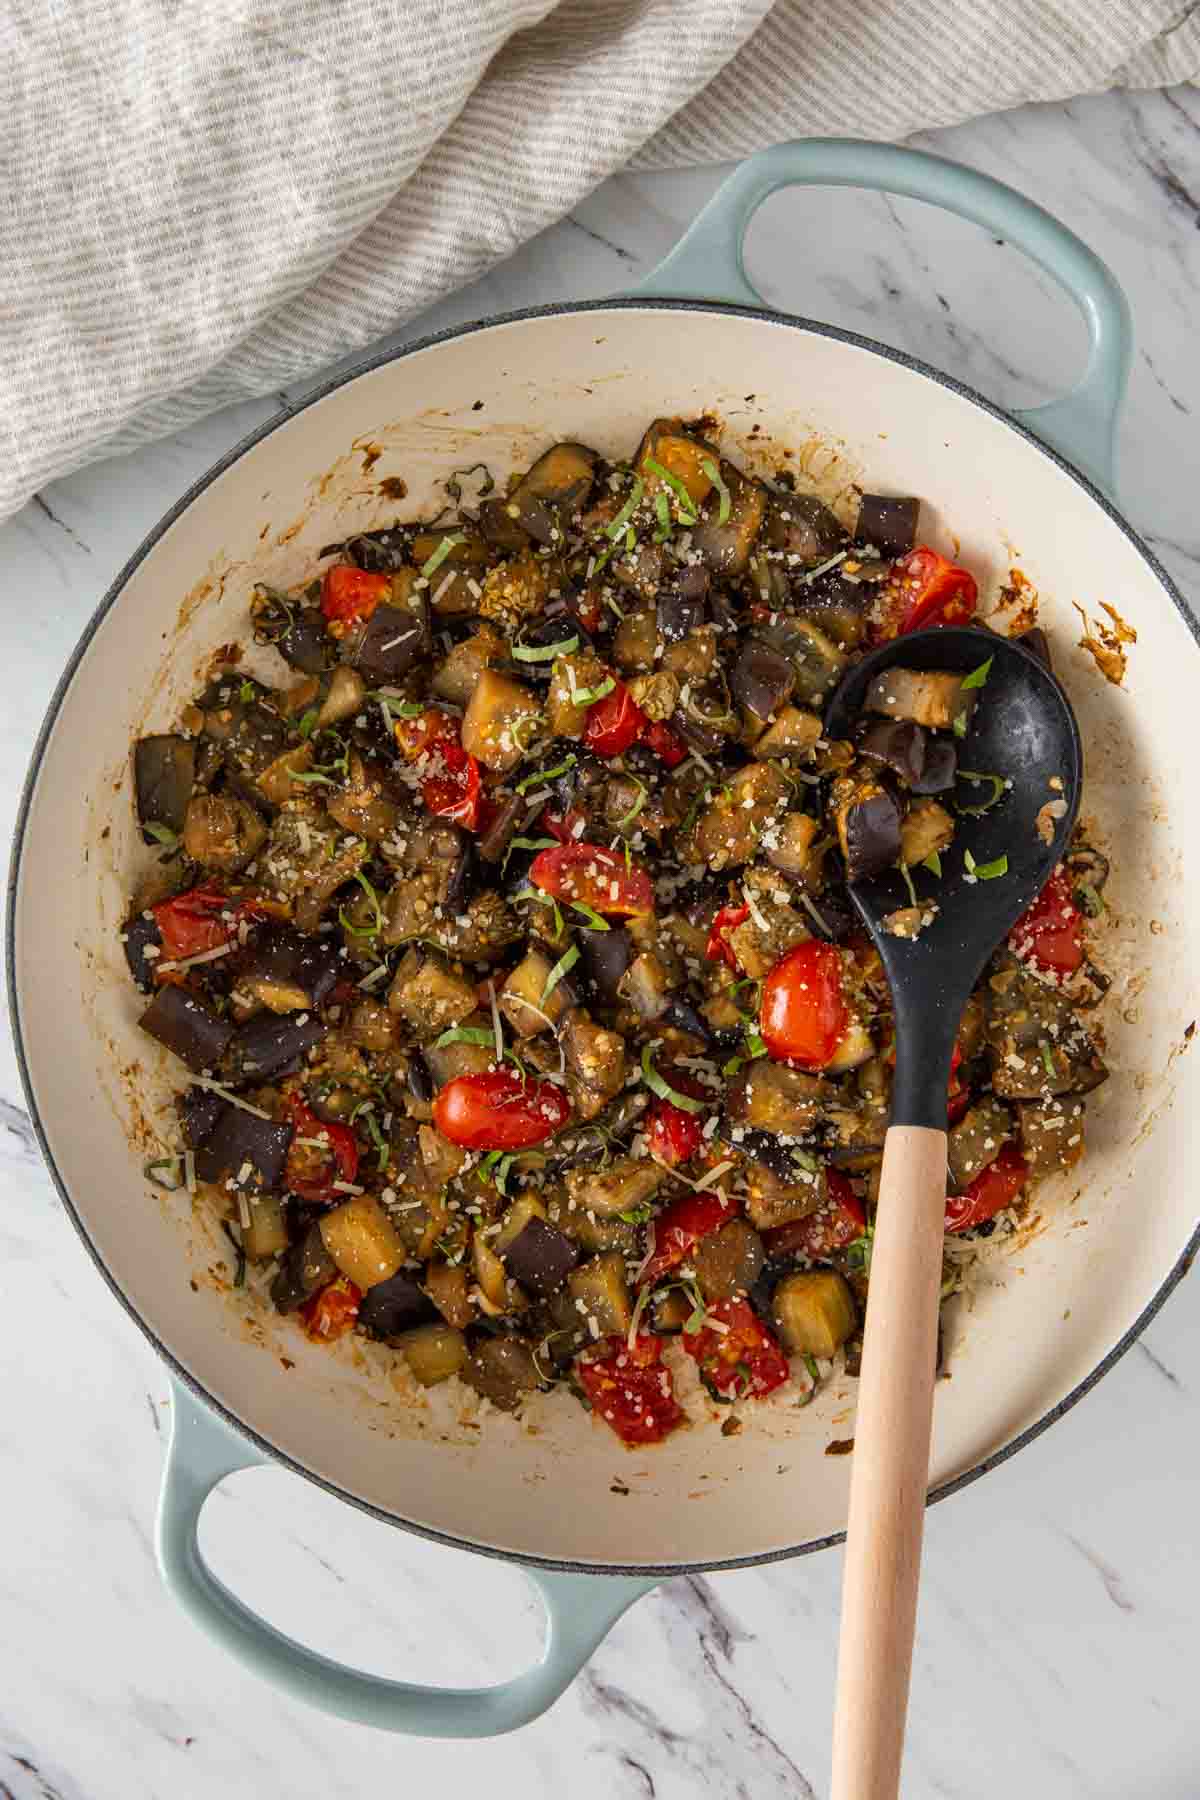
(707, 264)
(580, 1611)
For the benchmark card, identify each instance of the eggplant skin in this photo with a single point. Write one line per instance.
(140, 934)
(395, 639)
(395, 1305)
(888, 522)
(870, 835)
(164, 769)
(306, 1268)
(194, 1033)
(281, 953)
(540, 1257)
(270, 1044)
(238, 1138)
(899, 745)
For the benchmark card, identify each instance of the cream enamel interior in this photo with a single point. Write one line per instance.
(542, 1487)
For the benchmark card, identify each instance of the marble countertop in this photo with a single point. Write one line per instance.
(1057, 1645)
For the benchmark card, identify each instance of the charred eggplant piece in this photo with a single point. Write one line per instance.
(557, 485)
(838, 607)
(682, 605)
(222, 832)
(762, 678)
(164, 769)
(802, 525)
(288, 970)
(268, 1046)
(239, 1138)
(395, 1305)
(502, 1369)
(899, 745)
(540, 1257)
(868, 826)
(888, 522)
(725, 549)
(297, 632)
(395, 638)
(194, 1033)
(199, 1110)
(140, 934)
(381, 552)
(933, 697)
(306, 1268)
(941, 767)
(495, 840)
(606, 957)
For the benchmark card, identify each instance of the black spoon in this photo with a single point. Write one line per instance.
(1023, 731)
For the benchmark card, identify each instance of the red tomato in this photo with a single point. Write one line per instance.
(992, 1190)
(453, 790)
(804, 1015)
(673, 1134)
(679, 1229)
(350, 595)
(1049, 933)
(499, 1111)
(614, 723)
(665, 745)
(836, 1223)
(958, 1101)
(594, 875)
(936, 592)
(741, 1361)
(417, 737)
(563, 825)
(331, 1313)
(313, 1167)
(630, 1390)
(718, 947)
(202, 919)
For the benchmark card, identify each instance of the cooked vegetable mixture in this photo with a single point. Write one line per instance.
(503, 931)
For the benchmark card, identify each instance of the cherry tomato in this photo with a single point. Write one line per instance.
(202, 919)
(598, 877)
(614, 723)
(331, 1313)
(742, 1361)
(350, 595)
(499, 1111)
(664, 743)
(452, 791)
(1049, 933)
(673, 1134)
(837, 1222)
(992, 1190)
(314, 1166)
(958, 1101)
(630, 1390)
(567, 827)
(718, 947)
(679, 1229)
(804, 1015)
(418, 737)
(936, 592)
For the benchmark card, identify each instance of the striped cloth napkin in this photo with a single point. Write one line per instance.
(204, 200)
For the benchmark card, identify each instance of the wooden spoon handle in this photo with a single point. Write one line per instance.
(891, 1467)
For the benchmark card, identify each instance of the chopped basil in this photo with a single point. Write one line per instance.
(547, 652)
(627, 511)
(662, 507)
(166, 1172)
(376, 925)
(246, 692)
(960, 725)
(524, 843)
(497, 1164)
(545, 775)
(1047, 1058)
(403, 709)
(308, 722)
(434, 562)
(985, 871)
(978, 777)
(933, 863)
(595, 922)
(636, 1215)
(714, 475)
(162, 834)
(635, 809)
(978, 677)
(563, 966)
(466, 1034)
(1090, 899)
(660, 1086)
(687, 506)
(589, 696)
(908, 882)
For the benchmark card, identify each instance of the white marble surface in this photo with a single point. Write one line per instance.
(1057, 1648)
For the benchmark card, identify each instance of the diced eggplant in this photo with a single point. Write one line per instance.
(941, 767)
(551, 490)
(577, 672)
(380, 552)
(269, 1045)
(393, 1306)
(725, 549)
(540, 1257)
(524, 1001)
(819, 663)
(626, 1183)
(838, 606)
(362, 807)
(728, 1262)
(347, 691)
(164, 769)
(1036, 1045)
(495, 840)
(899, 745)
(1051, 1133)
(297, 632)
(976, 1141)
(771, 1096)
(814, 1312)
(762, 678)
(606, 957)
(449, 1287)
(601, 1292)
(645, 985)
(222, 832)
(683, 1017)
(802, 525)
(933, 697)
(288, 970)
(452, 1060)
(635, 640)
(429, 995)
(199, 1110)
(498, 527)
(773, 1200)
(502, 1369)
(856, 1048)
(266, 1234)
(888, 522)
(139, 934)
(795, 733)
(868, 827)
(306, 1268)
(239, 1139)
(249, 734)
(519, 587)
(394, 640)
(364, 1243)
(670, 1310)
(455, 676)
(194, 1033)
(728, 830)
(500, 718)
(596, 1062)
(668, 443)
(682, 605)
(433, 1352)
(926, 830)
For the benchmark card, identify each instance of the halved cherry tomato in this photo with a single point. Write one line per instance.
(679, 1229)
(804, 1015)
(330, 1154)
(331, 1313)
(417, 737)
(992, 1190)
(202, 919)
(1050, 932)
(673, 1134)
(563, 826)
(452, 791)
(350, 595)
(614, 723)
(837, 1222)
(664, 743)
(742, 1361)
(936, 591)
(499, 1110)
(594, 875)
(718, 947)
(630, 1390)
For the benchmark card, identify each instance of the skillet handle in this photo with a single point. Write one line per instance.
(580, 1611)
(707, 264)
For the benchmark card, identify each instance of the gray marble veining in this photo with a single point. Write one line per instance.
(1057, 1645)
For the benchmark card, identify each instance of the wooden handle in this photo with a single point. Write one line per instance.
(891, 1467)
